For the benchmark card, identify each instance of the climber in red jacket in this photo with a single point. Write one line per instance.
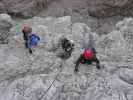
(87, 57)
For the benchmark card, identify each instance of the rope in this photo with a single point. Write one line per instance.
(52, 82)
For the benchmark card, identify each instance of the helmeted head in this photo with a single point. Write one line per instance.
(72, 41)
(27, 29)
(87, 54)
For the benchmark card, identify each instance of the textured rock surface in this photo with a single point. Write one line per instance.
(67, 7)
(5, 24)
(44, 76)
(118, 44)
(85, 11)
(96, 8)
(25, 8)
(106, 8)
(2, 8)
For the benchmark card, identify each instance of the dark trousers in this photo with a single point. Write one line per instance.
(27, 46)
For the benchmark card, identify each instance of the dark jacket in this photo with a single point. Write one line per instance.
(26, 36)
(82, 60)
(67, 46)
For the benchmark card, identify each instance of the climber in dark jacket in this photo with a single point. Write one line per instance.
(87, 57)
(67, 46)
(29, 38)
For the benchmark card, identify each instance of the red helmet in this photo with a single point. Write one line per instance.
(87, 54)
(26, 29)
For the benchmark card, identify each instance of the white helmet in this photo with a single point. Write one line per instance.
(71, 41)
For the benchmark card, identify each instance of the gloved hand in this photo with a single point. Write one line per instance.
(98, 66)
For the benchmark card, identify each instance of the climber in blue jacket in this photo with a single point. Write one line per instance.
(29, 38)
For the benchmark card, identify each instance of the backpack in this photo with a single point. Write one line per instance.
(34, 39)
(88, 54)
(93, 50)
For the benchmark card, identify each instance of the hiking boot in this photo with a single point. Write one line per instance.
(76, 70)
(30, 51)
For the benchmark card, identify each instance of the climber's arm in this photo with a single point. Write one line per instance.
(78, 62)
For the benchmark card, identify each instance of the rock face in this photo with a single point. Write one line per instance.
(25, 8)
(2, 8)
(96, 8)
(6, 23)
(66, 7)
(106, 8)
(118, 44)
(44, 76)
(29, 8)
